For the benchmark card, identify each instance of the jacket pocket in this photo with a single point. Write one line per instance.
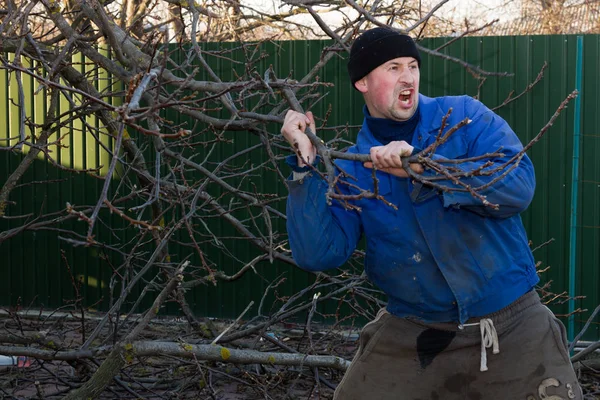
(455, 148)
(378, 216)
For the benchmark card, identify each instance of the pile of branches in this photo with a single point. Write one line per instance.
(241, 359)
(75, 353)
(121, 353)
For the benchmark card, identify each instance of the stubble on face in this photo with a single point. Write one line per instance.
(399, 110)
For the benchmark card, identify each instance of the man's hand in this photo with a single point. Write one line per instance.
(388, 158)
(293, 129)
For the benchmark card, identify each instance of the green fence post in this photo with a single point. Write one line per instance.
(575, 188)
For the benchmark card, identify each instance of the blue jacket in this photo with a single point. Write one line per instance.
(441, 256)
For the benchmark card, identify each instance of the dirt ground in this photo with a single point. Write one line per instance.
(160, 377)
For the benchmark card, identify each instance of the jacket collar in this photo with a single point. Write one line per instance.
(430, 122)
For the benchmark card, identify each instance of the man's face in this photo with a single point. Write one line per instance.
(392, 90)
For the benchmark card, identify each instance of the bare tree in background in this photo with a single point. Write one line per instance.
(548, 17)
(169, 189)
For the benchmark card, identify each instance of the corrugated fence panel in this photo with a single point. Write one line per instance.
(588, 255)
(294, 58)
(32, 263)
(547, 218)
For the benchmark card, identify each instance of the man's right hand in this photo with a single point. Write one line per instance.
(294, 126)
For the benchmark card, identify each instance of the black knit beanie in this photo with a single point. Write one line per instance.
(377, 46)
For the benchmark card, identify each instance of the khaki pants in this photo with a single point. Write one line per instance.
(404, 359)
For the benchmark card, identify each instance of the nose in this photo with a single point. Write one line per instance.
(406, 76)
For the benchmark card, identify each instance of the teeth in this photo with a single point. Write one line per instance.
(405, 92)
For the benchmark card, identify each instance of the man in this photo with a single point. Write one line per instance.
(459, 276)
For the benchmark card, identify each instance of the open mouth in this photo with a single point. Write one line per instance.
(405, 97)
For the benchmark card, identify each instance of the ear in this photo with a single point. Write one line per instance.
(361, 85)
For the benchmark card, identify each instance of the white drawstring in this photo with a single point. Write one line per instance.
(489, 338)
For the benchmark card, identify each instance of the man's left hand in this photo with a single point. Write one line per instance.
(388, 158)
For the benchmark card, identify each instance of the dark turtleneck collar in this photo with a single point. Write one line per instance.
(387, 130)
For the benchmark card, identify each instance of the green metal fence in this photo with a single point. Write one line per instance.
(33, 264)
